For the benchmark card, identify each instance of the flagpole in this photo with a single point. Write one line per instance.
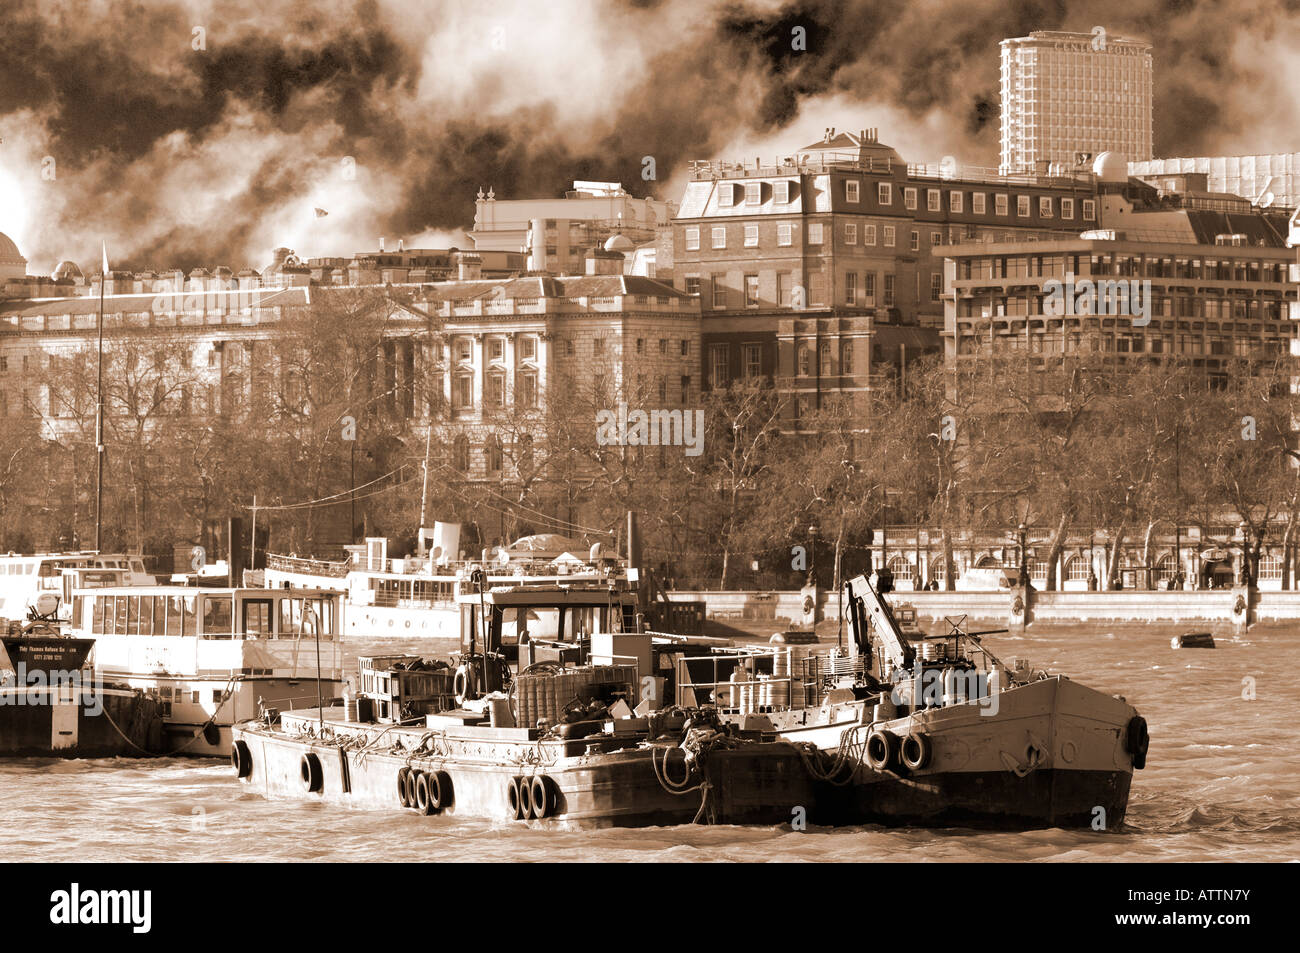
(99, 415)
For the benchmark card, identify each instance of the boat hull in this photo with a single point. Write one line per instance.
(1053, 754)
(81, 723)
(759, 783)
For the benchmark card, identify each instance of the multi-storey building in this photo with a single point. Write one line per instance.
(1221, 283)
(1066, 94)
(824, 270)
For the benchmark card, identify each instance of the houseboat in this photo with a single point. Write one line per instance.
(214, 656)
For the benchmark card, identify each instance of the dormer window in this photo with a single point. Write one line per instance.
(781, 191)
(727, 194)
(753, 193)
(851, 190)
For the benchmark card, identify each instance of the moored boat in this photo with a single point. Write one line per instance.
(216, 656)
(52, 705)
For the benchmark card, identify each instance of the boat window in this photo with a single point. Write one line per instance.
(187, 620)
(174, 615)
(133, 615)
(218, 616)
(257, 618)
(97, 615)
(48, 569)
(290, 618)
(137, 566)
(146, 615)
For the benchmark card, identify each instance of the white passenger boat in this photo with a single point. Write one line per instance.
(28, 582)
(415, 596)
(214, 656)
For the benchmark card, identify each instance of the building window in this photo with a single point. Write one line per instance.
(815, 233)
(909, 198)
(846, 358)
(719, 360)
(752, 359)
(936, 239)
(597, 346)
(526, 385)
(753, 193)
(885, 193)
(977, 202)
(783, 288)
(1000, 204)
(916, 240)
(719, 234)
(693, 239)
(955, 202)
(462, 391)
(496, 390)
(568, 347)
(805, 361)
(460, 453)
(889, 291)
(496, 350)
(751, 291)
(494, 455)
(528, 348)
(851, 190)
(719, 292)
(464, 350)
(692, 284)
(686, 347)
(850, 234)
(751, 236)
(1044, 206)
(936, 286)
(727, 194)
(1022, 206)
(781, 191)
(784, 233)
(663, 346)
(933, 201)
(1089, 210)
(640, 345)
(686, 387)
(889, 236)
(1067, 208)
(663, 391)
(868, 234)
(851, 288)
(869, 289)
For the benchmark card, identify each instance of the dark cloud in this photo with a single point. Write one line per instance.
(122, 98)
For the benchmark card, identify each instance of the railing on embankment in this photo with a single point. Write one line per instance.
(778, 609)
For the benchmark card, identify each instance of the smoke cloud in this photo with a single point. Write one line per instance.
(207, 133)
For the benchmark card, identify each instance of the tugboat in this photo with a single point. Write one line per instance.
(51, 705)
(551, 712)
(937, 731)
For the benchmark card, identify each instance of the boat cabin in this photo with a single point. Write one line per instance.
(552, 623)
(207, 613)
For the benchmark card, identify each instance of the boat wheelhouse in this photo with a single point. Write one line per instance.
(214, 656)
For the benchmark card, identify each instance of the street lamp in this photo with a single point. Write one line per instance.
(1024, 569)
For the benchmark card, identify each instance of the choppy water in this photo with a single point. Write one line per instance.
(1222, 783)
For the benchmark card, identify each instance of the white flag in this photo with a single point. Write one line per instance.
(105, 247)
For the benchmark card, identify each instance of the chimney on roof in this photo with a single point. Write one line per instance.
(381, 243)
(401, 244)
(469, 266)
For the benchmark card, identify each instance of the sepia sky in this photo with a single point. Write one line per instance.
(390, 114)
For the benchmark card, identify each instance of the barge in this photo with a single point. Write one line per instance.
(567, 662)
(51, 705)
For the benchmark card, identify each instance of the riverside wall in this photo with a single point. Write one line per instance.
(1215, 609)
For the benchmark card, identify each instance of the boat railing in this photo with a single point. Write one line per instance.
(313, 567)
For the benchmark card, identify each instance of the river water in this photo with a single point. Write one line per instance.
(1222, 783)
